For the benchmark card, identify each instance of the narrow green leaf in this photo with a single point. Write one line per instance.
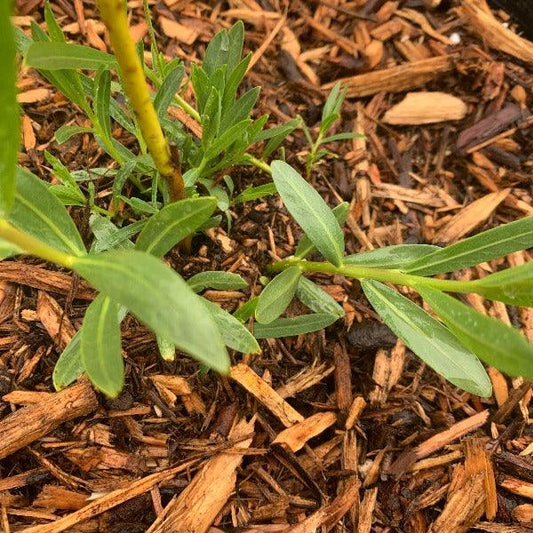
(108, 237)
(9, 117)
(253, 193)
(55, 31)
(68, 82)
(100, 346)
(236, 42)
(68, 367)
(167, 350)
(225, 140)
(65, 132)
(333, 101)
(306, 247)
(310, 211)
(102, 98)
(120, 179)
(65, 56)
(485, 246)
(276, 136)
(428, 339)
(173, 223)
(494, 342)
(289, 327)
(235, 335)
(341, 137)
(160, 298)
(240, 110)
(215, 279)
(233, 82)
(317, 299)
(277, 295)
(168, 89)
(38, 212)
(246, 310)
(512, 286)
(391, 257)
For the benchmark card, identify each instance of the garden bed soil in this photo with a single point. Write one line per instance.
(340, 430)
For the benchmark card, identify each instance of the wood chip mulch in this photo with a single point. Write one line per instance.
(342, 430)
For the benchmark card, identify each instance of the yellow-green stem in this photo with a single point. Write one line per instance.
(116, 21)
(378, 274)
(33, 246)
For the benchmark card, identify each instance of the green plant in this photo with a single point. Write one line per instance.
(450, 346)
(331, 112)
(136, 230)
(129, 276)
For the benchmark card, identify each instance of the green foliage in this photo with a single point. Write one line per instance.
(277, 295)
(173, 223)
(310, 211)
(396, 256)
(214, 279)
(491, 340)
(64, 56)
(39, 213)
(449, 348)
(428, 338)
(331, 112)
(298, 325)
(100, 348)
(9, 118)
(141, 225)
(485, 246)
(158, 297)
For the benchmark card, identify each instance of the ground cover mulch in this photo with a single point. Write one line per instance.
(341, 430)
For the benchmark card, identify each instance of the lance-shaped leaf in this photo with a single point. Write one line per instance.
(68, 367)
(215, 279)
(9, 117)
(173, 223)
(160, 298)
(65, 56)
(306, 247)
(289, 327)
(494, 342)
(485, 246)
(310, 211)
(234, 333)
(167, 350)
(428, 339)
(277, 295)
(396, 256)
(40, 213)
(100, 346)
(512, 286)
(317, 299)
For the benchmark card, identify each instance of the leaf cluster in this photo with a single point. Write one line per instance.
(453, 343)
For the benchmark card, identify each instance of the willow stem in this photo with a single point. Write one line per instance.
(116, 21)
(378, 274)
(33, 246)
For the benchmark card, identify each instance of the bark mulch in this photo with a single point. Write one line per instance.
(341, 430)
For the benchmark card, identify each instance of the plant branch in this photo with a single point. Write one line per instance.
(34, 246)
(115, 19)
(378, 274)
